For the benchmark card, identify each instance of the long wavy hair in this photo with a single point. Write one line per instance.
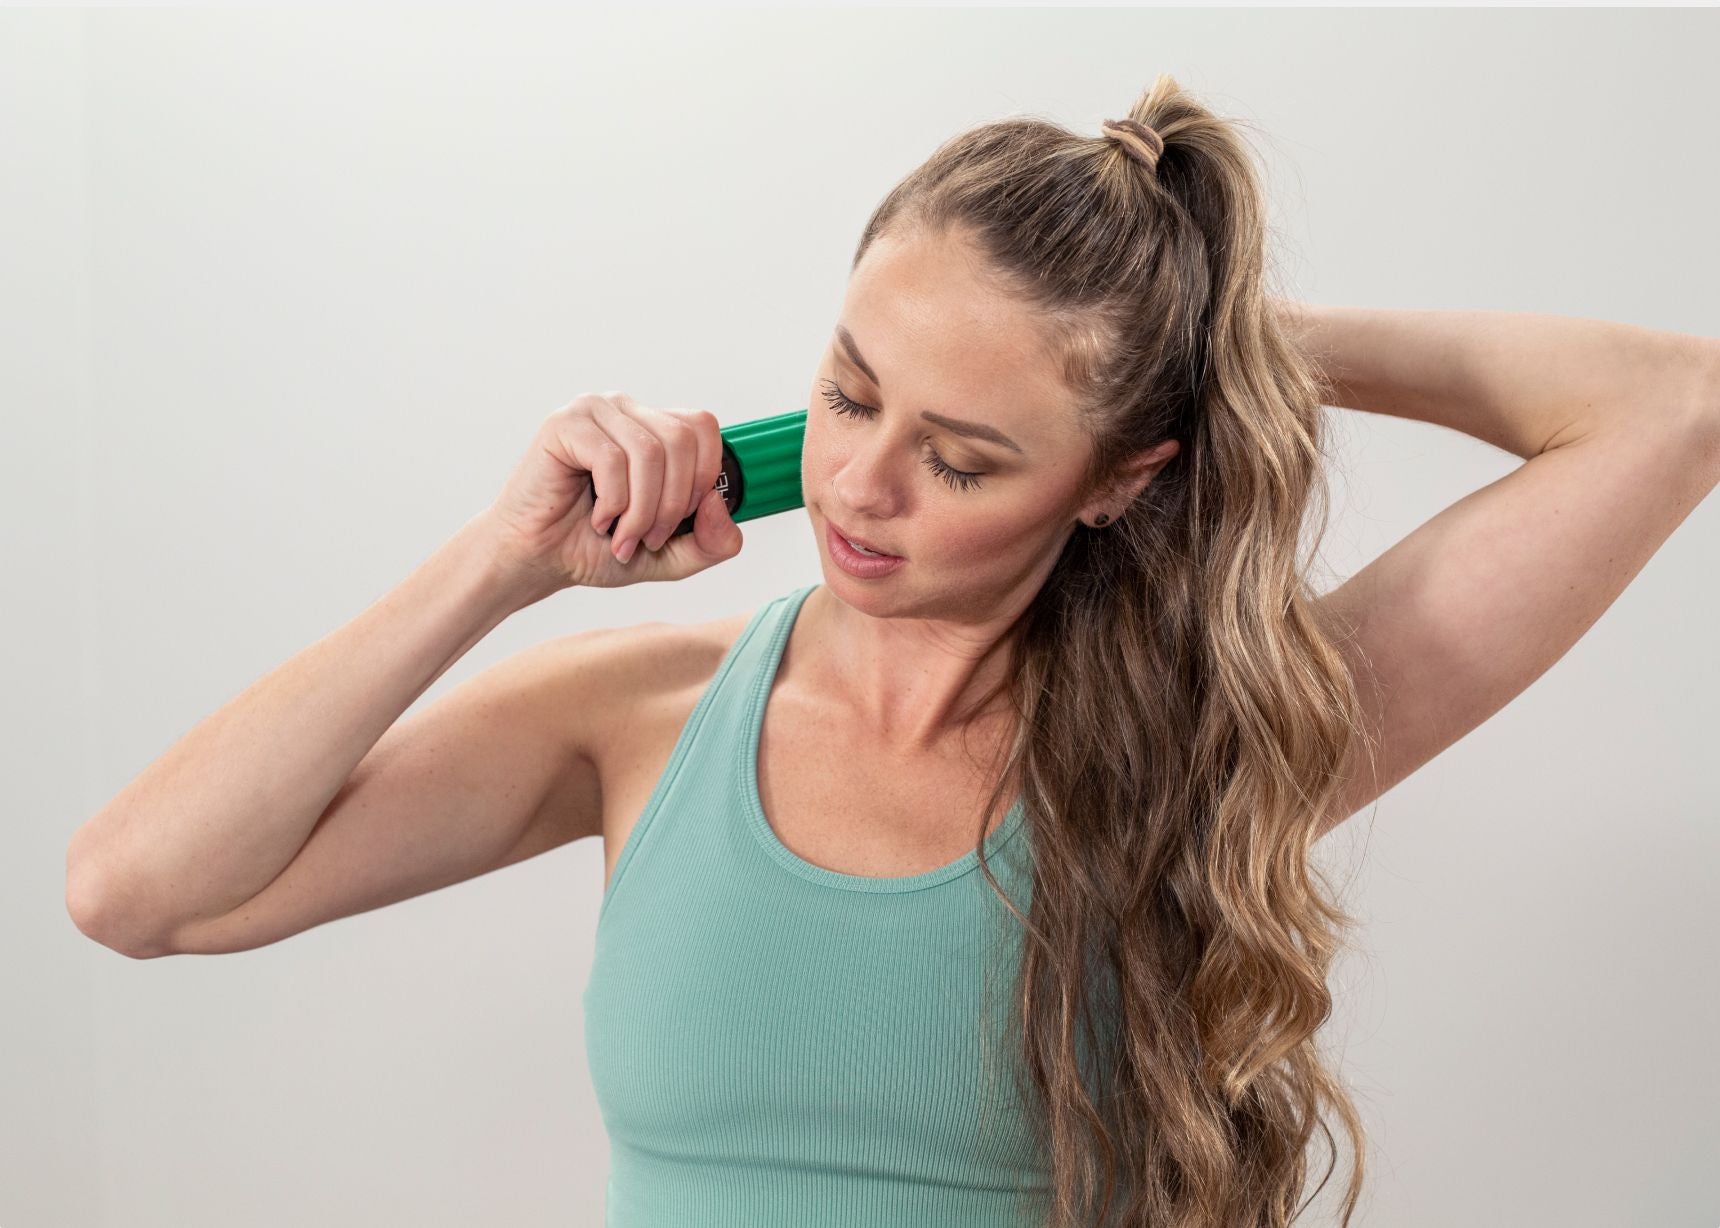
(1182, 710)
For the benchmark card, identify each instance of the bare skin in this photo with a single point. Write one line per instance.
(907, 656)
(891, 670)
(818, 773)
(1619, 428)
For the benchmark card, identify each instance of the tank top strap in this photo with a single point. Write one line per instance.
(699, 801)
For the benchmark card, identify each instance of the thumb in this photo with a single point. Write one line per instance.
(714, 539)
(715, 529)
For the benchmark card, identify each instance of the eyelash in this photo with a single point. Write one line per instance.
(957, 479)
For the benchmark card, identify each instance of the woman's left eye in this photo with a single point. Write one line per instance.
(955, 478)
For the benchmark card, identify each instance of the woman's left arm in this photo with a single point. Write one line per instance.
(1619, 428)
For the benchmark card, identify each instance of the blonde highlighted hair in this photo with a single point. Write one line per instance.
(1181, 710)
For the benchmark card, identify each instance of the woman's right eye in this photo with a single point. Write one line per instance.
(955, 479)
(843, 404)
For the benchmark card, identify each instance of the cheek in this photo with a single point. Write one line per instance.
(818, 462)
(985, 539)
(993, 537)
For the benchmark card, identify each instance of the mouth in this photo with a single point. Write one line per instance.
(861, 544)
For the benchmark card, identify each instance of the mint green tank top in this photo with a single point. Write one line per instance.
(774, 1044)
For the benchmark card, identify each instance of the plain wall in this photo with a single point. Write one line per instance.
(284, 297)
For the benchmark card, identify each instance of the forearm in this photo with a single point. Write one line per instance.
(213, 820)
(1521, 381)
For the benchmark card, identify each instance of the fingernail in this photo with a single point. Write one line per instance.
(627, 548)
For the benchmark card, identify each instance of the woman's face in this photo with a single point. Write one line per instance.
(979, 505)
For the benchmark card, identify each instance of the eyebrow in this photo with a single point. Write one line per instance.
(959, 426)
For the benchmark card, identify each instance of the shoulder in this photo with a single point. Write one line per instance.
(663, 656)
(623, 683)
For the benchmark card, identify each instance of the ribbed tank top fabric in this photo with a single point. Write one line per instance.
(774, 1044)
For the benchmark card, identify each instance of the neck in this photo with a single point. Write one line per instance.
(910, 685)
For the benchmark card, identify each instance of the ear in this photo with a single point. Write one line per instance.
(1136, 476)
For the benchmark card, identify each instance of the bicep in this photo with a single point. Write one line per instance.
(489, 774)
(1460, 617)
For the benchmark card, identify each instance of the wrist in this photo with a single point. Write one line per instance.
(510, 584)
(1297, 319)
(1305, 327)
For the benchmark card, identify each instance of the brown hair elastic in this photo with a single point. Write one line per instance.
(1141, 143)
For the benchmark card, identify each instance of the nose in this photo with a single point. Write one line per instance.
(869, 484)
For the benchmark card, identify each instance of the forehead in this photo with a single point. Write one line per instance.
(942, 333)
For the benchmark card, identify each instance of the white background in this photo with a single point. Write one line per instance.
(284, 296)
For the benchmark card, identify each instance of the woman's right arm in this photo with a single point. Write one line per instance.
(225, 813)
(216, 818)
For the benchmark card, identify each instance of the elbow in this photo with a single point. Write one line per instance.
(82, 904)
(87, 907)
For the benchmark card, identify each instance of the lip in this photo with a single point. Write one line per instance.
(860, 566)
(861, 541)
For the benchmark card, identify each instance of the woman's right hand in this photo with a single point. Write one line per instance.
(653, 467)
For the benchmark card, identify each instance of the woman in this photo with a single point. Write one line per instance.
(1060, 398)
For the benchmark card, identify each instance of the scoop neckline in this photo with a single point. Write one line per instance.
(787, 857)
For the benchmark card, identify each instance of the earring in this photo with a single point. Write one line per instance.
(1101, 521)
